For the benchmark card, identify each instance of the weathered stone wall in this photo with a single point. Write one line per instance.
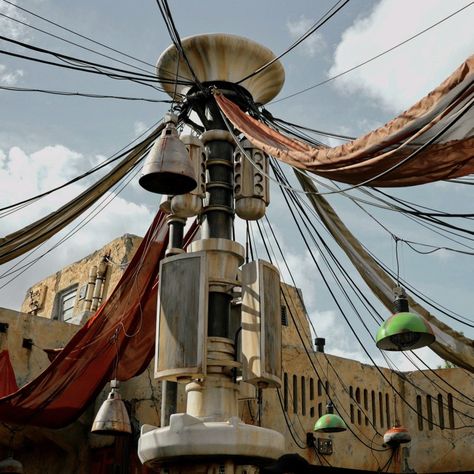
(41, 299)
(361, 394)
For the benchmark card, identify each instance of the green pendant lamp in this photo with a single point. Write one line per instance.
(330, 422)
(404, 330)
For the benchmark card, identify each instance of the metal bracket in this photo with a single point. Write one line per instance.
(324, 446)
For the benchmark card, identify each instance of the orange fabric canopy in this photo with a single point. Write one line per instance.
(7, 375)
(431, 141)
(124, 325)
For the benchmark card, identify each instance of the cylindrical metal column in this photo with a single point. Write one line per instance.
(218, 215)
(169, 389)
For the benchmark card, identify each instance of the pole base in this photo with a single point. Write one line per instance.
(188, 436)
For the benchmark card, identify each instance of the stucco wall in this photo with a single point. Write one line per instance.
(360, 394)
(41, 298)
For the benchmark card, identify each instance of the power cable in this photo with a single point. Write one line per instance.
(83, 94)
(319, 23)
(79, 34)
(16, 20)
(373, 57)
(342, 311)
(116, 156)
(340, 406)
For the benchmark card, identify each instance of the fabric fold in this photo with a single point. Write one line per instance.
(433, 140)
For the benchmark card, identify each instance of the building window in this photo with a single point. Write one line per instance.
(65, 302)
(429, 409)
(366, 406)
(387, 409)
(374, 408)
(285, 391)
(381, 409)
(441, 411)
(419, 409)
(303, 396)
(295, 394)
(284, 315)
(451, 411)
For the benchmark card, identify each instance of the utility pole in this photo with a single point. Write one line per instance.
(196, 329)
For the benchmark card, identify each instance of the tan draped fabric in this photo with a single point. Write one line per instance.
(19, 242)
(449, 344)
(431, 141)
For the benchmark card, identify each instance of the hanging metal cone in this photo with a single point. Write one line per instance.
(330, 422)
(168, 168)
(403, 332)
(396, 435)
(112, 417)
(11, 465)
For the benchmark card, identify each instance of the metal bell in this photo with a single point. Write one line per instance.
(112, 417)
(11, 465)
(168, 168)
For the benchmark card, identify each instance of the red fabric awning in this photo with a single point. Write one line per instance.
(431, 141)
(7, 375)
(123, 325)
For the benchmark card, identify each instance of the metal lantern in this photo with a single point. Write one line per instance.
(112, 417)
(404, 330)
(330, 422)
(396, 435)
(190, 204)
(11, 465)
(168, 169)
(252, 192)
(165, 204)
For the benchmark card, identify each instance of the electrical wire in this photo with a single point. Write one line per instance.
(373, 57)
(78, 34)
(116, 156)
(319, 23)
(330, 397)
(342, 311)
(83, 94)
(175, 37)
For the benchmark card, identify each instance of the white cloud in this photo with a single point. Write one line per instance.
(311, 45)
(139, 127)
(12, 28)
(24, 175)
(403, 76)
(9, 78)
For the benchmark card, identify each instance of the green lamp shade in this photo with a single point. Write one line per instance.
(404, 331)
(330, 423)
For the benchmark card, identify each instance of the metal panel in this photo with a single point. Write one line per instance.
(182, 318)
(261, 324)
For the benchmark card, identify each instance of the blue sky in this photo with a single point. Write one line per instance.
(46, 140)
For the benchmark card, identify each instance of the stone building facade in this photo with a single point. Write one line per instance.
(435, 406)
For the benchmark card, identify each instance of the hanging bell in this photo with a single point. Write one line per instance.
(330, 422)
(404, 331)
(11, 465)
(167, 168)
(112, 417)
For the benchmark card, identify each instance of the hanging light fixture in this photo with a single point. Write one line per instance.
(112, 417)
(168, 168)
(11, 465)
(404, 330)
(396, 435)
(330, 422)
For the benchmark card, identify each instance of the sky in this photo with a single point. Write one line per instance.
(46, 140)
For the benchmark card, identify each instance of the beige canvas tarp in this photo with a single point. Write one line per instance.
(449, 344)
(431, 141)
(19, 242)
